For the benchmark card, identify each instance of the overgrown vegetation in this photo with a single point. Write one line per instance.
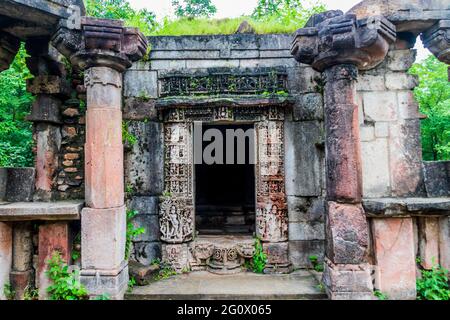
(433, 95)
(8, 292)
(15, 103)
(65, 284)
(317, 266)
(132, 232)
(380, 295)
(165, 270)
(193, 8)
(434, 284)
(259, 260)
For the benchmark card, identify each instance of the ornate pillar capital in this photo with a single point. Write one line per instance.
(437, 40)
(101, 43)
(333, 38)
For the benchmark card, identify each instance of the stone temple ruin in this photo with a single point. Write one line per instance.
(338, 169)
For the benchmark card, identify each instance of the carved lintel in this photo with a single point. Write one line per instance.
(437, 40)
(333, 38)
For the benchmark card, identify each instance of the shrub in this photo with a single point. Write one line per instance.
(433, 285)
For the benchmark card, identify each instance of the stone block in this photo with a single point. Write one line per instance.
(444, 242)
(381, 129)
(393, 245)
(20, 184)
(380, 106)
(302, 80)
(140, 109)
(428, 230)
(146, 252)
(22, 246)
(103, 238)
(400, 81)
(302, 158)
(150, 223)
(408, 108)
(302, 209)
(144, 163)
(401, 60)
(168, 64)
(308, 106)
(347, 233)
(144, 205)
(104, 88)
(367, 133)
(277, 257)
(176, 255)
(306, 231)
(348, 282)
(437, 178)
(5, 256)
(300, 251)
(139, 83)
(141, 273)
(53, 237)
(375, 168)
(368, 82)
(405, 158)
(205, 63)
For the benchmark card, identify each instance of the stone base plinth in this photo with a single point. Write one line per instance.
(113, 283)
(20, 281)
(347, 282)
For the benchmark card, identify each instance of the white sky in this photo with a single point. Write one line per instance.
(235, 8)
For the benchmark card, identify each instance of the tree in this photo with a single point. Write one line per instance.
(433, 95)
(286, 11)
(193, 8)
(15, 103)
(121, 9)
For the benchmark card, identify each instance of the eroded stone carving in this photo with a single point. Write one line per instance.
(437, 40)
(176, 220)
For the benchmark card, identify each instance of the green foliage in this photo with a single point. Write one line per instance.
(433, 285)
(127, 137)
(31, 293)
(131, 284)
(9, 292)
(132, 232)
(103, 296)
(315, 262)
(122, 10)
(259, 260)
(15, 103)
(166, 271)
(380, 295)
(193, 8)
(433, 95)
(65, 284)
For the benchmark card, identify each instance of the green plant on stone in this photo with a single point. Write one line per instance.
(103, 296)
(433, 285)
(132, 232)
(315, 263)
(131, 284)
(165, 271)
(380, 295)
(31, 293)
(65, 285)
(259, 261)
(127, 137)
(9, 292)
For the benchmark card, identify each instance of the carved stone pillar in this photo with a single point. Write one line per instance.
(51, 88)
(104, 49)
(338, 45)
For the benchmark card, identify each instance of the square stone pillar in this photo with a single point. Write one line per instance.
(393, 244)
(5, 256)
(53, 237)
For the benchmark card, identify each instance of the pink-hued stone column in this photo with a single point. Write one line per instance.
(53, 237)
(393, 245)
(428, 229)
(104, 49)
(339, 45)
(5, 256)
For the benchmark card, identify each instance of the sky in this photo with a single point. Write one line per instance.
(236, 8)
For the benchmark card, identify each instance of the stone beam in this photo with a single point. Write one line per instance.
(104, 49)
(339, 46)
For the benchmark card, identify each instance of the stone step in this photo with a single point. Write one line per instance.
(299, 285)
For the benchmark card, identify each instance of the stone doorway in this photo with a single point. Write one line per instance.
(225, 190)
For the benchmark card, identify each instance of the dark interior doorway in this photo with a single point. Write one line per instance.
(225, 193)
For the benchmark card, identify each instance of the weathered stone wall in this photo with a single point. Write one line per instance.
(390, 129)
(304, 167)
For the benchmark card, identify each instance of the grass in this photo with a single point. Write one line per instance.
(225, 26)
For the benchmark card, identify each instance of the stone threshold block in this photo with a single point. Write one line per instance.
(5, 256)
(401, 207)
(53, 237)
(348, 282)
(41, 211)
(395, 270)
